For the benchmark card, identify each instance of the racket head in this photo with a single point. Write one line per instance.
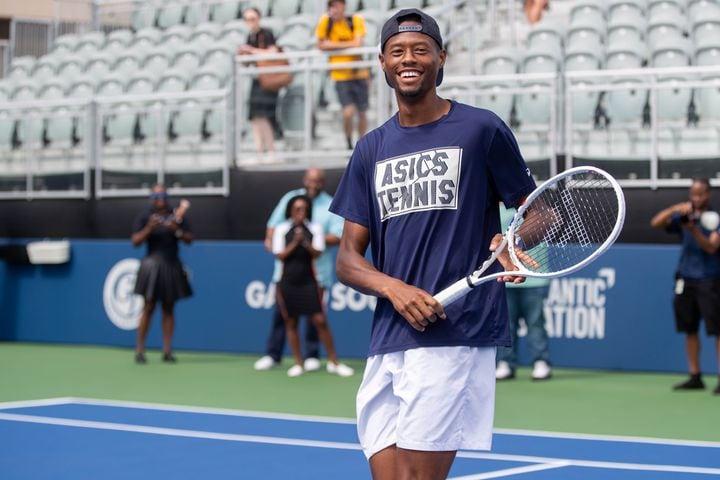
(567, 222)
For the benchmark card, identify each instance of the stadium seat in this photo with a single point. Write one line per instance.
(625, 55)
(59, 124)
(99, 64)
(66, 43)
(706, 29)
(45, 68)
(90, 42)
(583, 57)
(541, 61)
(112, 85)
(204, 35)
(157, 61)
(583, 34)
(142, 16)
(275, 24)
(171, 13)
(175, 37)
(71, 67)
(172, 81)
(699, 9)
(30, 125)
(627, 106)
(235, 32)
(626, 31)
(497, 99)
(291, 108)
(226, 11)
(127, 64)
(82, 87)
(186, 58)
(120, 36)
(665, 26)
(408, 3)
(533, 108)
(21, 67)
(195, 121)
(671, 52)
(666, 7)
(295, 40)
(591, 11)
(499, 61)
(546, 35)
(707, 103)
(219, 56)
(284, 8)
(707, 53)
(146, 38)
(625, 9)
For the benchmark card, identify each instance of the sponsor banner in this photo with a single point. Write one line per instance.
(614, 314)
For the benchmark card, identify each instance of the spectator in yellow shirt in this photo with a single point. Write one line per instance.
(335, 31)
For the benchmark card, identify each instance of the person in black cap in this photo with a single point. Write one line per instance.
(423, 190)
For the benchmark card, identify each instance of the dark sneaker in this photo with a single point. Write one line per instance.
(140, 358)
(169, 357)
(693, 383)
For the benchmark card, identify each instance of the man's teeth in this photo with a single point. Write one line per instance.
(409, 74)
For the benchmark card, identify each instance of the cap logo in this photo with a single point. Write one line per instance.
(410, 28)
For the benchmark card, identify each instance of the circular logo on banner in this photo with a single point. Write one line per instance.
(122, 306)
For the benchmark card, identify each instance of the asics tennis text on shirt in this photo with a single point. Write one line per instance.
(427, 180)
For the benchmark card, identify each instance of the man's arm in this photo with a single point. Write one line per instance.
(417, 306)
(710, 244)
(327, 45)
(662, 219)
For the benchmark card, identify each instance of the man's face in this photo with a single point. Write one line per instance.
(313, 181)
(336, 10)
(158, 197)
(411, 61)
(699, 195)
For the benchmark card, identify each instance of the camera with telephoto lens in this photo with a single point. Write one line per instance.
(687, 218)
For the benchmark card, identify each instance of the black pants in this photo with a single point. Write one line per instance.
(276, 340)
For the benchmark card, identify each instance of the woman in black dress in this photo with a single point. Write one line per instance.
(263, 103)
(161, 277)
(297, 242)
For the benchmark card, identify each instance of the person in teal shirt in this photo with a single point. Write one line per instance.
(313, 187)
(525, 300)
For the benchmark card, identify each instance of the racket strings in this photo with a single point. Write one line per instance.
(566, 223)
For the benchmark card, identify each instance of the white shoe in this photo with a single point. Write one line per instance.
(503, 371)
(311, 364)
(340, 369)
(295, 371)
(265, 363)
(541, 370)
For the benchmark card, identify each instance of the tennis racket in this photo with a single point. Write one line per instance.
(564, 224)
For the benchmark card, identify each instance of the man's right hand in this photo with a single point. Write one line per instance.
(416, 306)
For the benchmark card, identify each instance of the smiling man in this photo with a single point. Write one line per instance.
(423, 190)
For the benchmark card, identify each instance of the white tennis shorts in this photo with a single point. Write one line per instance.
(430, 399)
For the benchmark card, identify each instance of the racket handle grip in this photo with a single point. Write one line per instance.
(455, 291)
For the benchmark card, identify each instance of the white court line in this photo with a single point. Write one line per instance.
(212, 411)
(512, 471)
(349, 421)
(176, 432)
(44, 402)
(336, 445)
(608, 438)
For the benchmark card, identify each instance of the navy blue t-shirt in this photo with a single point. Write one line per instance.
(429, 198)
(695, 263)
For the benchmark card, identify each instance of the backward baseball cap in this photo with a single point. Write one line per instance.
(428, 26)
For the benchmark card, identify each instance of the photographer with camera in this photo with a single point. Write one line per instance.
(697, 279)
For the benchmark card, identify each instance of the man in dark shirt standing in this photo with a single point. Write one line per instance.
(697, 284)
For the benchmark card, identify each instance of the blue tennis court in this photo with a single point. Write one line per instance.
(85, 438)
